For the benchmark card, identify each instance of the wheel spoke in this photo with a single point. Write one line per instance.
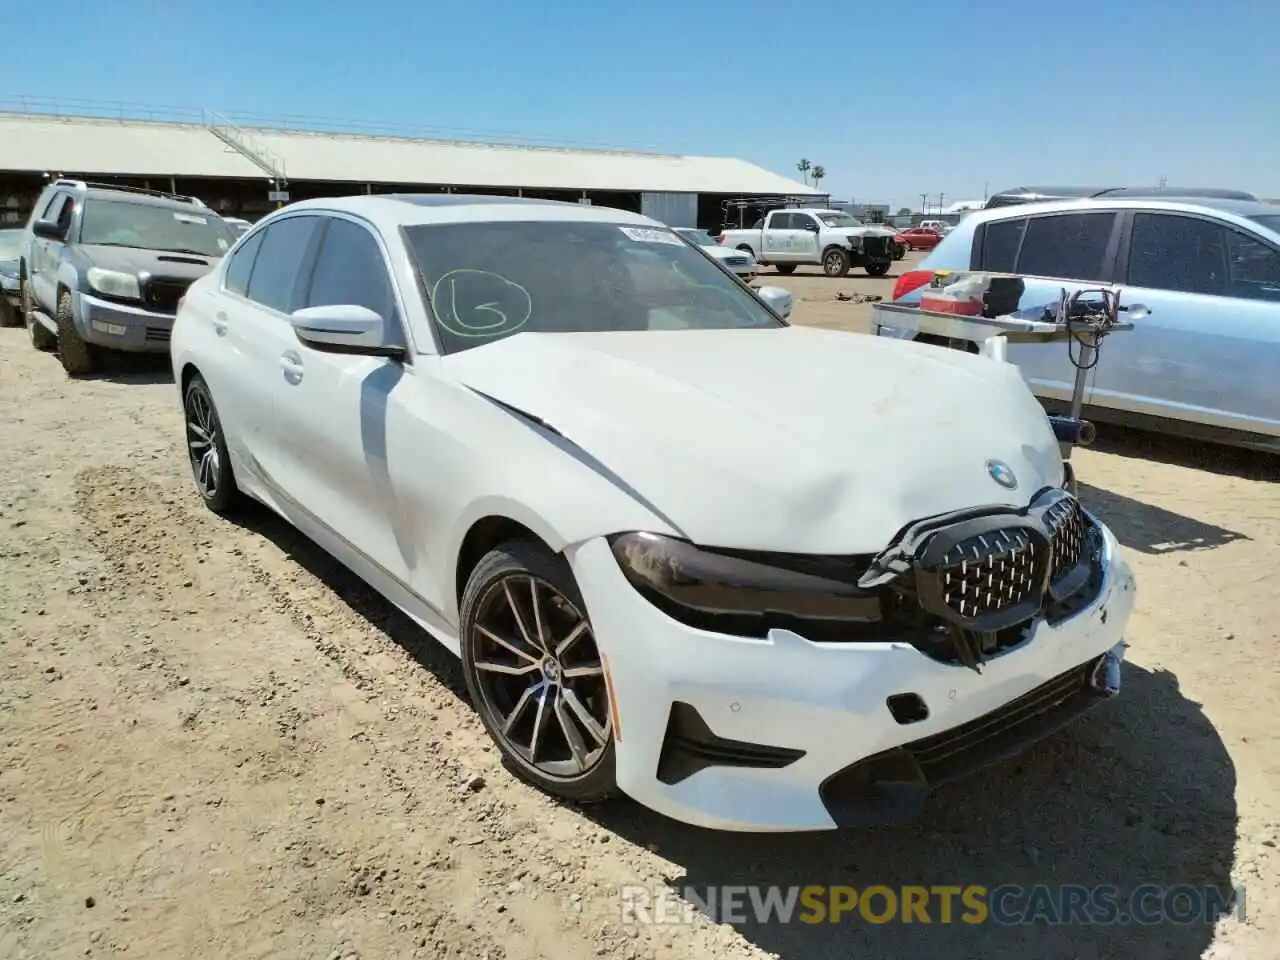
(506, 644)
(201, 434)
(571, 735)
(540, 629)
(589, 723)
(539, 725)
(583, 670)
(206, 477)
(515, 612)
(511, 669)
(571, 639)
(526, 698)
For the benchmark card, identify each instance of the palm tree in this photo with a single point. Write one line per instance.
(804, 166)
(818, 173)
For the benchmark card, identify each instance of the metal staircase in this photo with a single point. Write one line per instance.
(249, 147)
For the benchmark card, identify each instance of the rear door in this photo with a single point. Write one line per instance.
(1209, 352)
(1051, 252)
(255, 326)
(778, 237)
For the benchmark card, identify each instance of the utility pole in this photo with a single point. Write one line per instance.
(941, 197)
(924, 203)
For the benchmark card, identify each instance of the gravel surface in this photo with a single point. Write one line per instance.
(215, 742)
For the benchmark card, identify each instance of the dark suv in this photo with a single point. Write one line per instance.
(103, 267)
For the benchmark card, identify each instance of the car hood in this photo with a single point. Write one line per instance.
(791, 439)
(181, 266)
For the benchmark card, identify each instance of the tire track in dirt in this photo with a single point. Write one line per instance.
(414, 757)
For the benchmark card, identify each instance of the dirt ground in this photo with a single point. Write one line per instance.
(214, 742)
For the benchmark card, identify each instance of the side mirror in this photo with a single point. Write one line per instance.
(47, 229)
(812, 227)
(344, 328)
(778, 298)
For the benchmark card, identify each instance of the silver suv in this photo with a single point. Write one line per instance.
(1205, 363)
(103, 267)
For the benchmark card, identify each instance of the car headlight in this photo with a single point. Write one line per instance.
(113, 283)
(730, 591)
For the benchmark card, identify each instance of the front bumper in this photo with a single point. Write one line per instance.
(801, 735)
(120, 326)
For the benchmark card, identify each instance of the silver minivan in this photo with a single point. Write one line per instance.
(1204, 363)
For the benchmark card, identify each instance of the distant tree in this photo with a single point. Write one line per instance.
(804, 166)
(904, 211)
(818, 173)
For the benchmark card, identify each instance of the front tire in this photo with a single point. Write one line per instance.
(835, 262)
(786, 269)
(41, 338)
(878, 269)
(207, 449)
(78, 357)
(535, 674)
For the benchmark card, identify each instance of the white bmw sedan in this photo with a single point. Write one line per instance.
(755, 576)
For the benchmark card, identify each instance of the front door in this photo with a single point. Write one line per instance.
(346, 424)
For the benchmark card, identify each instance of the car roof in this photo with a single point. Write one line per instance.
(1239, 208)
(392, 210)
(146, 199)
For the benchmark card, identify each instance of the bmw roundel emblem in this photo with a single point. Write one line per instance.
(1002, 474)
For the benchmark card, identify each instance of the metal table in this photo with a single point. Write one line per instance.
(992, 335)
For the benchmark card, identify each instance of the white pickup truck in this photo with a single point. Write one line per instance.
(787, 238)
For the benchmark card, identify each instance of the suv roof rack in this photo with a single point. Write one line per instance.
(124, 188)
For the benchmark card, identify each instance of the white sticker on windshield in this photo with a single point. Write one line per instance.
(190, 218)
(649, 235)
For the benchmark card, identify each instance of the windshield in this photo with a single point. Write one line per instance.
(489, 280)
(9, 244)
(839, 220)
(700, 237)
(120, 223)
(1269, 220)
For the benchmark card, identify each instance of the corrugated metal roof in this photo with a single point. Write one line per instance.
(98, 146)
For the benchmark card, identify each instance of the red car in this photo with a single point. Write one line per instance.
(918, 238)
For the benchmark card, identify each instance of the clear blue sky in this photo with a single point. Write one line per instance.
(893, 99)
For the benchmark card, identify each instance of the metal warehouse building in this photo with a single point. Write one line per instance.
(238, 169)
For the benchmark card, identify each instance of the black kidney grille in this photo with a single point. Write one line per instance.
(989, 572)
(1067, 529)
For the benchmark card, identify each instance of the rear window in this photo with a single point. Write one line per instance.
(1071, 246)
(1000, 245)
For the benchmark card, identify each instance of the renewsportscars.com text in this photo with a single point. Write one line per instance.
(1007, 904)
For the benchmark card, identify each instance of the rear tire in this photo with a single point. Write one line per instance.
(786, 269)
(41, 338)
(207, 449)
(835, 262)
(78, 357)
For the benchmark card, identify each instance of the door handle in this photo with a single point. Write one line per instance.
(291, 364)
(220, 324)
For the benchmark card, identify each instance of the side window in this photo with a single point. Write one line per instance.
(350, 269)
(1255, 267)
(64, 214)
(1072, 246)
(48, 212)
(1183, 254)
(782, 221)
(802, 221)
(275, 281)
(1000, 243)
(240, 266)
